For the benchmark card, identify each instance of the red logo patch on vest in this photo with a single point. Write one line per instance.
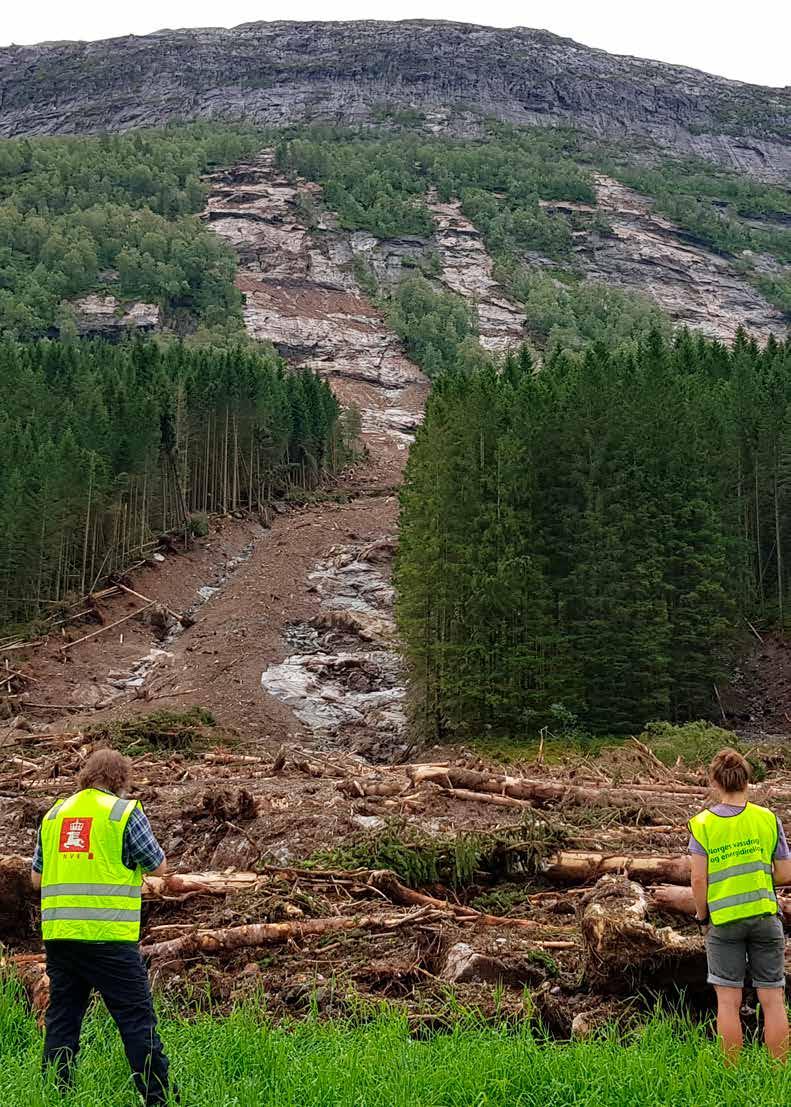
(75, 836)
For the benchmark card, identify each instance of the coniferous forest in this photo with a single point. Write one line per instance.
(588, 540)
(103, 448)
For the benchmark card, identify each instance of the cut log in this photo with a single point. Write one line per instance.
(577, 867)
(555, 791)
(624, 953)
(259, 934)
(358, 788)
(678, 900)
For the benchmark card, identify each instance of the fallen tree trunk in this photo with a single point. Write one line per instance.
(553, 791)
(578, 867)
(547, 790)
(623, 952)
(258, 934)
(355, 787)
(32, 972)
(17, 897)
(678, 900)
(487, 797)
(566, 867)
(186, 885)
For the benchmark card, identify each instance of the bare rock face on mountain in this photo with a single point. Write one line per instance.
(644, 252)
(301, 295)
(105, 317)
(340, 72)
(466, 269)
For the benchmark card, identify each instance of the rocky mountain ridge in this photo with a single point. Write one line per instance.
(277, 73)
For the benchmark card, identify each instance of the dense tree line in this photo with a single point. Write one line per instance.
(102, 448)
(113, 213)
(593, 535)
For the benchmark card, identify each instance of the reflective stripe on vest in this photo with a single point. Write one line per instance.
(738, 870)
(739, 849)
(94, 890)
(87, 893)
(741, 897)
(119, 807)
(94, 914)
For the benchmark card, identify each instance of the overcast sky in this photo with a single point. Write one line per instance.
(747, 41)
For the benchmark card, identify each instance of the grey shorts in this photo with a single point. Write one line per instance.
(757, 943)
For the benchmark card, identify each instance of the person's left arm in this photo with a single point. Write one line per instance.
(37, 864)
(699, 864)
(141, 846)
(781, 867)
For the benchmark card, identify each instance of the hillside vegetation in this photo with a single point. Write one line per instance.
(115, 214)
(742, 219)
(502, 181)
(130, 427)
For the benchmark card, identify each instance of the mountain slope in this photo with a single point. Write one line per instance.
(284, 72)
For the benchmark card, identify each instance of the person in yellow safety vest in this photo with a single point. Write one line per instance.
(92, 850)
(738, 851)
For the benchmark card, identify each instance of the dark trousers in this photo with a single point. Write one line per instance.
(116, 971)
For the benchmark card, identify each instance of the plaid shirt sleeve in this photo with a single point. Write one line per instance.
(140, 844)
(38, 857)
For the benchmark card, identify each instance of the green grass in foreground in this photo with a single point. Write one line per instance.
(239, 1061)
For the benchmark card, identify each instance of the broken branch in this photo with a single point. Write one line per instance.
(101, 630)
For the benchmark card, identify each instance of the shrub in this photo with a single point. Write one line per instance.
(694, 743)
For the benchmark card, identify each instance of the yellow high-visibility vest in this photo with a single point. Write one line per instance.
(87, 893)
(740, 849)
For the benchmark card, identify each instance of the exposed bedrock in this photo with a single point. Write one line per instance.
(299, 290)
(282, 72)
(104, 316)
(344, 679)
(466, 268)
(647, 253)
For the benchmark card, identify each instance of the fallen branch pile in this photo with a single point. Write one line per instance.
(259, 934)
